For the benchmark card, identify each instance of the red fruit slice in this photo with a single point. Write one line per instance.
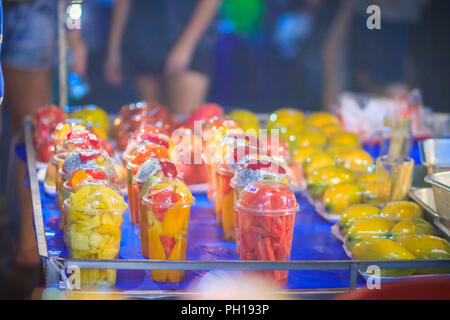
(96, 174)
(85, 157)
(167, 243)
(168, 168)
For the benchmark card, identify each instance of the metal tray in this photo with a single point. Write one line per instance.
(440, 183)
(425, 198)
(56, 267)
(435, 154)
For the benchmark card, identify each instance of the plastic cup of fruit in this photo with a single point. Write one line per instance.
(226, 195)
(58, 161)
(266, 214)
(167, 214)
(95, 215)
(107, 168)
(252, 169)
(145, 152)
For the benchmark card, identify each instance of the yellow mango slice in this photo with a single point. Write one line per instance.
(174, 221)
(156, 252)
(178, 253)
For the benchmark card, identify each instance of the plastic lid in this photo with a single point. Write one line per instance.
(257, 169)
(267, 197)
(88, 159)
(74, 145)
(147, 151)
(169, 192)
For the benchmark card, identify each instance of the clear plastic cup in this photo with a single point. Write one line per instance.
(251, 170)
(57, 162)
(149, 173)
(266, 215)
(143, 153)
(133, 192)
(226, 195)
(167, 225)
(63, 175)
(95, 233)
(394, 177)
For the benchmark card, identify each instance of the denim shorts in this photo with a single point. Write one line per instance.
(30, 34)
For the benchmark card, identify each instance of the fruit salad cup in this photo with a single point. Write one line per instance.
(228, 151)
(60, 153)
(225, 195)
(142, 154)
(91, 161)
(140, 139)
(266, 214)
(251, 170)
(214, 131)
(95, 215)
(147, 175)
(168, 206)
(85, 172)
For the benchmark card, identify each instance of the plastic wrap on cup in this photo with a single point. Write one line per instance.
(266, 214)
(167, 210)
(95, 216)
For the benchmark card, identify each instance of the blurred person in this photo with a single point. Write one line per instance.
(371, 61)
(28, 58)
(168, 45)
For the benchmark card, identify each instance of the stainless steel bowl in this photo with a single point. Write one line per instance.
(441, 190)
(435, 154)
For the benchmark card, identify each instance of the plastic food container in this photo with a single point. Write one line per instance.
(89, 160)
(143, 153)
(394, 177)
(149, 173)
(441, 190)
(435, 154)
(168, 206)
(95, 216)
(254, 169)
(266, 214)
(228, 153)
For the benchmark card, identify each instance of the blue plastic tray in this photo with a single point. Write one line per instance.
(312, 240)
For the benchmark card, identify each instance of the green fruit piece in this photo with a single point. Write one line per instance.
(427, 247)
(383, 249)
(370, 227)
(354, 212)
(412, 226)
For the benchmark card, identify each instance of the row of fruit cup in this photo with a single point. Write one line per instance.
(252, 204)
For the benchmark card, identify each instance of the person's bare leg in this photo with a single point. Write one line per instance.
(25, 92)
(187, 91)
(149, 88)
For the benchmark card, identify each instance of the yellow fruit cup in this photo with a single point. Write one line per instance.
(166, 230)
(95, 216)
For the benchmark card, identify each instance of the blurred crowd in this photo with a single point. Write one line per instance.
(255, 54)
